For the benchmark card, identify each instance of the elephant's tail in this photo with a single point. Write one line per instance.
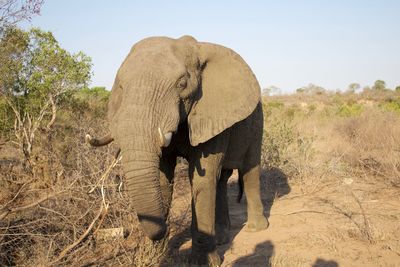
(105, 140)
(241, 186)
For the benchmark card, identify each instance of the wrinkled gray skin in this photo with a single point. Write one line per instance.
(209, 99)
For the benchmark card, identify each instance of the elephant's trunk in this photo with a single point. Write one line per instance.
(143, 189)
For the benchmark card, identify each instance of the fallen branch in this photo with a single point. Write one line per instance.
(106, 174)
(15, 196)
(79, 240)
(302, 211)
(30, 205)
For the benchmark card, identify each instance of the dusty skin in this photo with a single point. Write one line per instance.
(204, 105)
(182, 98)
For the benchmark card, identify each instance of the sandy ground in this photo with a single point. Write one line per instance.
(343, 223)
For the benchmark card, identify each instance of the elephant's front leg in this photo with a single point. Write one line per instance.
(222, 222)
(167, 170)
(204, 172)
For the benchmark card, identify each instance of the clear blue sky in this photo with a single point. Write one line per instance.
(287, 43)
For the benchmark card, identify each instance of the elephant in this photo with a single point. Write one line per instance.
(200, 101)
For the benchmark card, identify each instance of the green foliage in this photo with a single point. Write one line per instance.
(397, 88)
(269, 106)
(283, 147)
(94, 99)
(311, 108)
(311, 89)
(6, 124)
(37, 78)
(391, 105)
(34, 68)
(100, 93)
(353, 87)
(277, 138)
(41, 68)
(379, 85)
(349, 110)
(275, 104)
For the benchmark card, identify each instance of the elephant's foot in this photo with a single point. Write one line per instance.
(222, 235)
(211, 259)
(214, 260)
(256, 224)
(204, 250)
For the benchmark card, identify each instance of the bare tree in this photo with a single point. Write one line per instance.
(353, 87)
(14, 11)
(271, 90)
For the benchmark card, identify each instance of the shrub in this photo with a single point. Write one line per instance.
(277, 138)
(391, 105)
(283, 147)
(346, 110)
(311, 108)
(269, 106)
(373, 144)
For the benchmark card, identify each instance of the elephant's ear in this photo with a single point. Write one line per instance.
(229, 93)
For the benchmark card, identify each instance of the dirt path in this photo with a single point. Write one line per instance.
(339, 225)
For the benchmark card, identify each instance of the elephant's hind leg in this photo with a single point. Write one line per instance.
(256, 220)
(222, 222)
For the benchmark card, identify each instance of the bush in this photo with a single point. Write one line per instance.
(277, 138)
(52, 217)
(268, 107)
(373, 144)
(346, 110)
(6, 120)
(284, 148)
(391, 105)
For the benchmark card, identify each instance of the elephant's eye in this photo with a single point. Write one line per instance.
(182, 83)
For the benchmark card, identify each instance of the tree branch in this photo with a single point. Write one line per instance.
(79, 240)
(30, 205)
(53, 113)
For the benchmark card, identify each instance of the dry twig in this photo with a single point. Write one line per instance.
(79, 240)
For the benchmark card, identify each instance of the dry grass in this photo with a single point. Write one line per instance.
(373, 145)
(360, 137)
(51, 216)
(326, 141)
(320, 145)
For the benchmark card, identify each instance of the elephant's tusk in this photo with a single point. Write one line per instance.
(105, 140)
(165, 140)
(88, 138)
(168, 138)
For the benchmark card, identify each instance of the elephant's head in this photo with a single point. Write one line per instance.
(162, 83)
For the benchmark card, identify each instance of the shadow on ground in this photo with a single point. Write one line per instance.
(274, 184)
(261, 256)
(324, 263)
